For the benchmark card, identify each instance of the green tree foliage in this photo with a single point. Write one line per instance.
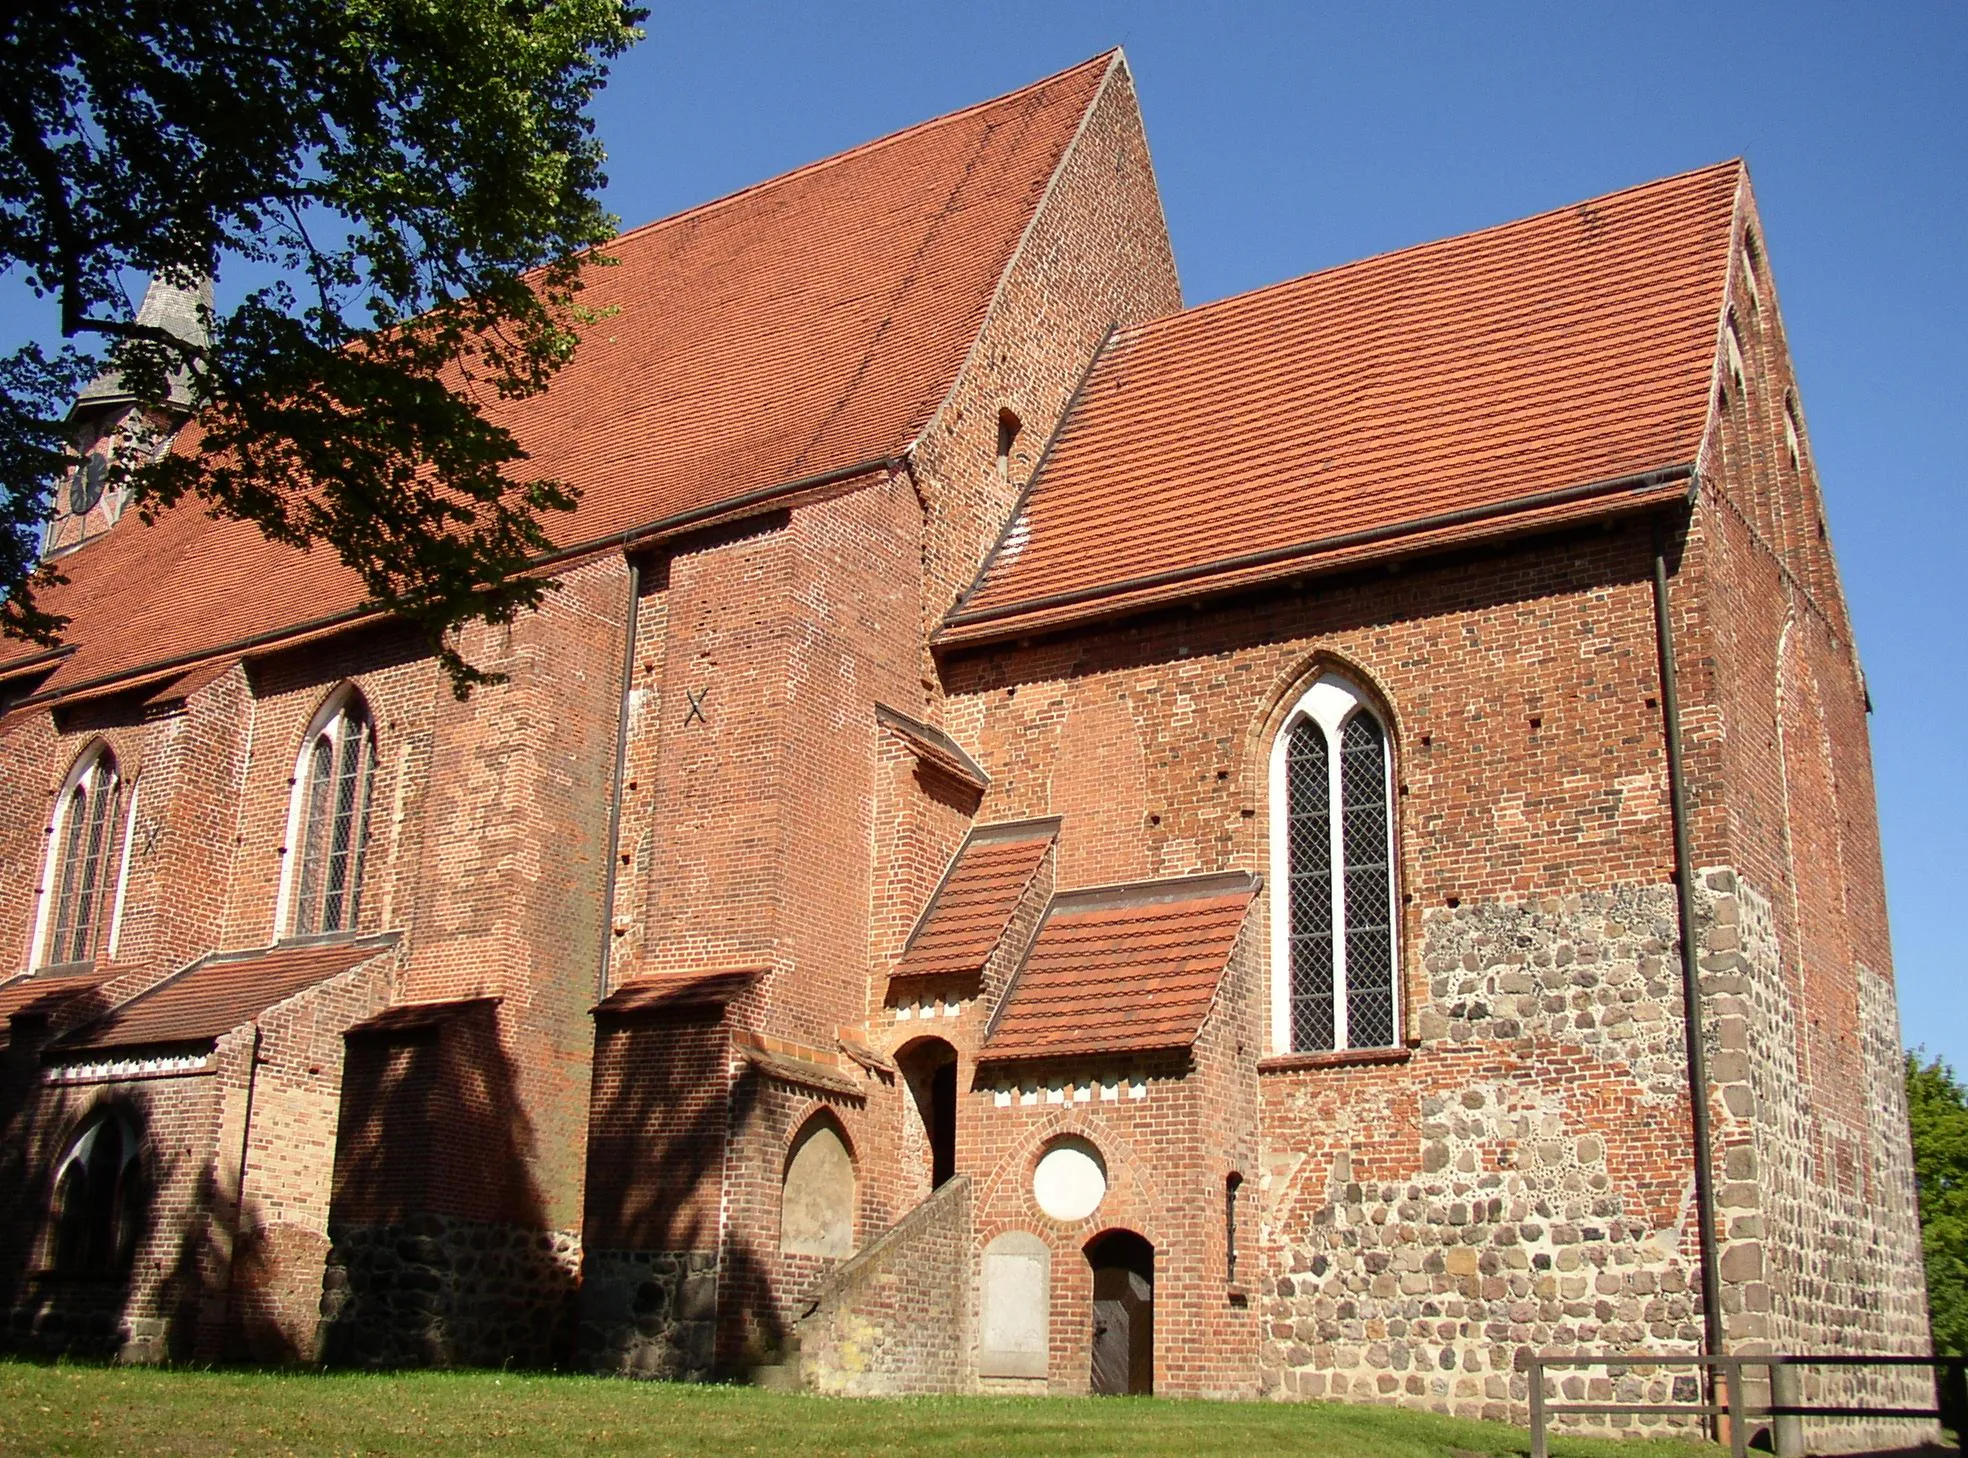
(408, 189)
(1937, 1108)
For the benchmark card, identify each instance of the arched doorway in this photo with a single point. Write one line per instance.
(929, 1068)
(1123, 1313)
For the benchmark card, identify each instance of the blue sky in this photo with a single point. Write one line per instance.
(1292, 137)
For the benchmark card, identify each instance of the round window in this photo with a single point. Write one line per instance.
(1071, 1179)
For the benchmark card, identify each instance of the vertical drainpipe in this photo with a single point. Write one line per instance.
(1684, 886)
(615, 786)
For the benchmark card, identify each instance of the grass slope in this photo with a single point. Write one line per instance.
(96, 1410)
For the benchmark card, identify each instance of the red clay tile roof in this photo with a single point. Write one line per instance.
(1346, 413)
(966, 918)
(411, 1017)
(45, 996)
(806, 325)
(677, 990)
(1122, 970)
(214, 996)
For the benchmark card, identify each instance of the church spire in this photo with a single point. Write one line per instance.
(174, 308)
(110, 422)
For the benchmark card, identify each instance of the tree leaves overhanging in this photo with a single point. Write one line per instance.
(409, 188)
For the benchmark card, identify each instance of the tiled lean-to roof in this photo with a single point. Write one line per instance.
(1124, 969)
(1522, 375)
(967, 917)
(212, 997)
(676, 991)
(801, 327)
(46, 997)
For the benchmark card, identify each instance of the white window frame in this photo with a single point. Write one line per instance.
(331, 719)
(1330, 702)
(87, 766)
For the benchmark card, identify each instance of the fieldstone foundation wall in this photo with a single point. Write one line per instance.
(898, 1316)
(1521, 1181)
(1519, 1184)
(435, 1291)
(649, 1314)
(1821, 1236)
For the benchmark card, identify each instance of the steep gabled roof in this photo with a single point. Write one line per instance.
(1122, 969)
(804, 326)
(1526, 373)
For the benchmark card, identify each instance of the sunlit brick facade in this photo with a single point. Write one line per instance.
(831, 957)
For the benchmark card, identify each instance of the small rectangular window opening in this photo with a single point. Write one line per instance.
(1008, 428)
(1230, 1188)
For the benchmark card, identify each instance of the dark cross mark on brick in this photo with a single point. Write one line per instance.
(696, 712)
(152, 831)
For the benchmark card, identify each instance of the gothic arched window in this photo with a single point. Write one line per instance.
(82, 861)
(97, 1206)
(328, 826)
(1334, 982)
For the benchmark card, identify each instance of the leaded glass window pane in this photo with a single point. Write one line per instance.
(1368, 884)
(1308, 791)
(338, 900)
(82, 879)
(334, 816)
(314, 835)
(1334, 932)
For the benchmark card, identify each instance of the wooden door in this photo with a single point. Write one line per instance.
(1123, 1317)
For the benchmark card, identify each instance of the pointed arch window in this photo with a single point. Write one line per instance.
(329, 823)
(1334, 931)
(97, 1208)
(82, 861)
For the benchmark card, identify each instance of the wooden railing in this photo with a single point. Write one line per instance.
(1726, 1402)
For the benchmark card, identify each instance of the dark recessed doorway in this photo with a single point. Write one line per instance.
(1123, 1314)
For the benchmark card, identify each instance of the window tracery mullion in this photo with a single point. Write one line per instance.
(1310, 929)
(1336, 829)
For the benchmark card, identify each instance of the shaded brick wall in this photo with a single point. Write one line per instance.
(154, 1308)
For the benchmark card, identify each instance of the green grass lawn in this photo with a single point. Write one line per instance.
(90, 1410)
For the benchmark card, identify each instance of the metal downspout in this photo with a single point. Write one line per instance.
(615, 786)
(1684, 886)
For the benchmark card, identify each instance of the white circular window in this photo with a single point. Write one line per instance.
(1071, 1179)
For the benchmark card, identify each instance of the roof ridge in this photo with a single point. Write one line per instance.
(1129, 335)
(858, 149)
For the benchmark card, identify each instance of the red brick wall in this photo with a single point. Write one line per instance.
(656, 1135)
(1825, 1237)
(1096, 254)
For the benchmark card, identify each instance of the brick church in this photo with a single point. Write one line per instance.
(1043, 841)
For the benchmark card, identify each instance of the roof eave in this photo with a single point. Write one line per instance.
(1420, 537)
